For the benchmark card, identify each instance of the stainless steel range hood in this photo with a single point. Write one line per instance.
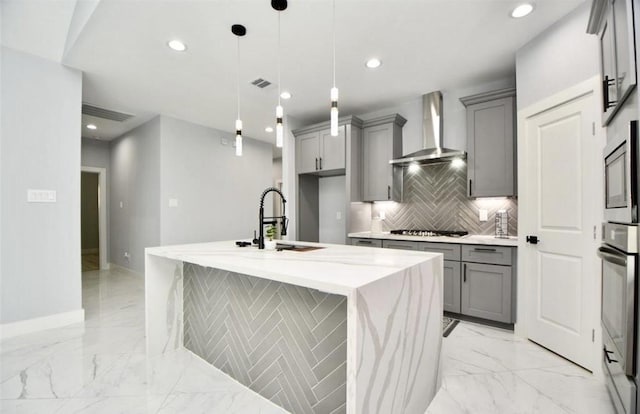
(432, 122)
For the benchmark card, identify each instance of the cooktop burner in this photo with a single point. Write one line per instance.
(430, 233)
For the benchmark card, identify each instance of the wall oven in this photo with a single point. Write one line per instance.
(621, 176)
(619, 254)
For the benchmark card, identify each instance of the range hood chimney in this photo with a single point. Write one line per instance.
(432, 151)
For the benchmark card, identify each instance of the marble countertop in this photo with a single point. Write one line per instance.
(469, 239)
(335, 269)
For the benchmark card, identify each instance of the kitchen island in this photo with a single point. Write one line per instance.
(328, 329)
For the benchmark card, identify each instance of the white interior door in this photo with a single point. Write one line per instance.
(558, 192)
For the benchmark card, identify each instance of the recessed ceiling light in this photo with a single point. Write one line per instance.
(522, 10)
(92, 126)
(177, 45)
(285, 95)
(268, 129)
(373, 63)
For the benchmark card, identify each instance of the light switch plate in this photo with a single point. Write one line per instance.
(41, 196)
(482, 214)
(338, 215)
(173, 202)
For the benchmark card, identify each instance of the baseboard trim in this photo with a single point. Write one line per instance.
(13, 329)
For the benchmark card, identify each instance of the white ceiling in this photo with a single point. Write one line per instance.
(424, 45)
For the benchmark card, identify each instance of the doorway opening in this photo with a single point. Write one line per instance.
(93, 219)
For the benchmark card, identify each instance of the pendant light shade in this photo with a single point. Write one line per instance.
(279, 5)
(238, 137)
(238, 30)
(334, 90)
(279, 128)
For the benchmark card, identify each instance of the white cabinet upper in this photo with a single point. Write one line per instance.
(382, 142)
(318, 152)
(491, 144)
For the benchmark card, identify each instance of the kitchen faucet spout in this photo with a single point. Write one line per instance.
(262, 220)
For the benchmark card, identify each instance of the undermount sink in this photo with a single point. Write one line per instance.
(296, 248)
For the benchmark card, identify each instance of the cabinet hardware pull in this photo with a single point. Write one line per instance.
(316, 163)
(605, 92)
(470, 188)
(464, 273)
(320, 162)
(484, 249)
(365, 242)
(388, 192)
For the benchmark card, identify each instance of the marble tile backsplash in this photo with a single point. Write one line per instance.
(435, 198)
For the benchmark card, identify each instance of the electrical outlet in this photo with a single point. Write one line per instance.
(482, 214)
(127, 256)
(121, 204)
(338, 215)
(173, 202)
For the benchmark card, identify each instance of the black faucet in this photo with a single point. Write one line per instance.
(262, 220)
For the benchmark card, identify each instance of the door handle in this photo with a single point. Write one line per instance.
(533, 239)
(605, 92)
(464, 273)
(316, 163)
(320, 162)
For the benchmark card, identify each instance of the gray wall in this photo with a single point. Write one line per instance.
(89, 211)
(454, 112)
(40, 242)
(331, 200)
(134, 208)
(217, 192)
(95, 153)
(552, 61)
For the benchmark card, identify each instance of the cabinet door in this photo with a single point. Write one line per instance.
(400, 244)
(332, 150)
(378, 151)
(451, 286)
(486, 291)
(625, 48)
(366, 242)
(490, 147)
(307, 148)
(608, 66)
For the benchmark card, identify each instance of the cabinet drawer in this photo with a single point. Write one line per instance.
(450, 251)
(366, 242)
(400, 244)
(500, 255)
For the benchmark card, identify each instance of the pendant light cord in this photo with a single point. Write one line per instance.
(238, 74)
(278, 58)
(333, 29)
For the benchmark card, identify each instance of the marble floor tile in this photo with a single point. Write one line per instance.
(489, 370)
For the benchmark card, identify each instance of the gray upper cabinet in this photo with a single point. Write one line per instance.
(612, 21)
(382, 142)
(318, 152)
(491, 144)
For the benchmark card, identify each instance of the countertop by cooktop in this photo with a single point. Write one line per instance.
(468, 239)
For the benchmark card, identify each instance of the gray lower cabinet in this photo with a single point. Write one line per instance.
(486, 291)
(451, 286)
(400, 244)
(366, 242)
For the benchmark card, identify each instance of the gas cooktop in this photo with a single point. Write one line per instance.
(430, 233)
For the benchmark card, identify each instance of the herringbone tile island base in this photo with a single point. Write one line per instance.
(286, 342)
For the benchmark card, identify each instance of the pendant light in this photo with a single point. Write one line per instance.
(279, 5)
(334, 90)
(238, 30)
